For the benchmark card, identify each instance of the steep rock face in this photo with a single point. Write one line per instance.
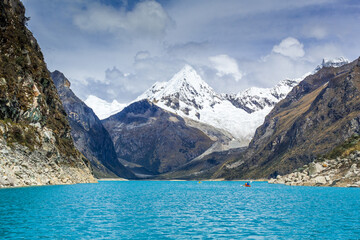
(34, 131)
(154, 139)
(90, 137)
(318, 114)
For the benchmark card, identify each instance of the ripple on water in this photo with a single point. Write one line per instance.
(179, 210)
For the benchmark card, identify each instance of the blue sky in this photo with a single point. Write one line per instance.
(118, 49)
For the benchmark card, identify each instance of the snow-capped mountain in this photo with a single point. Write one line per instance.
(187, 95)
(336, 62)
(256, 99)
(102, 108)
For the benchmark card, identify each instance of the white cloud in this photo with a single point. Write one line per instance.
(148, 18)
(290, 47)
(226, 65)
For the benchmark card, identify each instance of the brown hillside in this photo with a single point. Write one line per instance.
(317, 115)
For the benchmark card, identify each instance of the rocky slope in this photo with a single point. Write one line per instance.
(339, 168)
(318, 114)
(35, 141)
(339, 172)
(90, 136)
(153, 140)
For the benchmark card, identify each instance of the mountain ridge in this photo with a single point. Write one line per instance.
(318, 114)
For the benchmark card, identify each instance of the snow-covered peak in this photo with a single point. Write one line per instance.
(189, 96)
(255, 99)
(185, 89)
(185, 82)
(187, 76)
(102, 108)
(336, 62)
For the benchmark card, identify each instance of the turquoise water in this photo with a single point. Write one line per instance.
(179, 210)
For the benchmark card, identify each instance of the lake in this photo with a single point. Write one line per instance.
(179, 210)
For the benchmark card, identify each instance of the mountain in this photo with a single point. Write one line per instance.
(187, 95)
(36, 147)
(151, 140)
(336, 62)
(321, 112)
(102, 108)
(256, 99)
(90, 136)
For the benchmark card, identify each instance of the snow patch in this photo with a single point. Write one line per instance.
(102, 108)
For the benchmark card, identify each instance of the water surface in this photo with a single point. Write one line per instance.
(179, 210)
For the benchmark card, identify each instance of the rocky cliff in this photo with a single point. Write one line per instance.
(36, 147)
(90, 136)
(154, 140)
(317, 115)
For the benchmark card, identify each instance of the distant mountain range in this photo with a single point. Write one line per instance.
(141, 132)
(188, 95)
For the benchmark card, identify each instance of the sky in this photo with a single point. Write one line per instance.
(116, 49)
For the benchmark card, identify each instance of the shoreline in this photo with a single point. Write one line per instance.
(112, 179)
(184, 180)
(47, 185)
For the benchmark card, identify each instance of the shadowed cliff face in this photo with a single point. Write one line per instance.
(33, 124)
(317, 115)
(90, 137)
(153, 138)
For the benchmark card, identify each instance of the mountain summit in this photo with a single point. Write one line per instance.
(185, 93)
(189, 96)
(335, 62)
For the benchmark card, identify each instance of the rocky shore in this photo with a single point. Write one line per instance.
(339, 172)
